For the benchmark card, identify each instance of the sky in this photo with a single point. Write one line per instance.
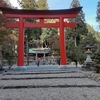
(89, 8)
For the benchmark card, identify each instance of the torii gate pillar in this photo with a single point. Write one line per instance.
(21, 43)
(62, 42)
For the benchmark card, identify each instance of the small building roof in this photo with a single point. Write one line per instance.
(39, 50)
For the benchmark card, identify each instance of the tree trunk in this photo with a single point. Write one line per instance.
(76, 63)
(1, 62)
(27, 55)
(75, 42)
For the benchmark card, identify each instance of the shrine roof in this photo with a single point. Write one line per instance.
(39, 50)
(6, 10)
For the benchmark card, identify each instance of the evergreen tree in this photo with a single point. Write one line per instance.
(33, 33)
(80, 29)
(97, 60)
(98, 13)
(74, 36)
(97, 53)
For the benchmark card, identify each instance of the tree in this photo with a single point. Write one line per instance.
(97, 52)
(27, 4)
(98, 13)
(48, 32)
(5, 34)
(80, 29)
(75, 54)
(33, 33)
(74, 36)
(42, 5)
(97, 60)
(9, 52)
(54, 44)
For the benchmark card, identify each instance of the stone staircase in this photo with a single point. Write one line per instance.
(47, 81)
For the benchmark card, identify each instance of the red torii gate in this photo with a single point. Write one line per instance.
(40, 14)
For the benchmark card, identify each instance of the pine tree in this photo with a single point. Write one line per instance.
(80, 29)
(75, 35)
(97, 60)
(98, 13)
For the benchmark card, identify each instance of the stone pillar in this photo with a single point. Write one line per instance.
(36, 55)
(44, 55)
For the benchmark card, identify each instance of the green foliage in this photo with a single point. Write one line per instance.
(9, 54)
(48, 32)
(33, 33)
(76, 37)
(96, 34)
(4, 33)
(78, 53)
(90, 28)
(92, 42)
(81, 29)
(98, 12)
(42, 5)
(75, 53)
(27, 4)
(54, 44)
(97, 60)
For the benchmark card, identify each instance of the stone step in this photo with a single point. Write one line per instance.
(56, 81)
(46, 79)
(44, 75)
(29, 78)
(40, 72)
(49, 86)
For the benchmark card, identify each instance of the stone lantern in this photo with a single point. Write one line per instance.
(88, 53)
(88, 62)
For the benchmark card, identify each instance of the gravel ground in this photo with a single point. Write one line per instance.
(49, 93)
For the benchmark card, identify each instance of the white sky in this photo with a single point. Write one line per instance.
(14, 3)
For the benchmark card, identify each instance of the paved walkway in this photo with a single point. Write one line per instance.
(49, 84)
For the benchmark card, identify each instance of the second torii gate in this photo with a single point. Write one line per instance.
(41, 15)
